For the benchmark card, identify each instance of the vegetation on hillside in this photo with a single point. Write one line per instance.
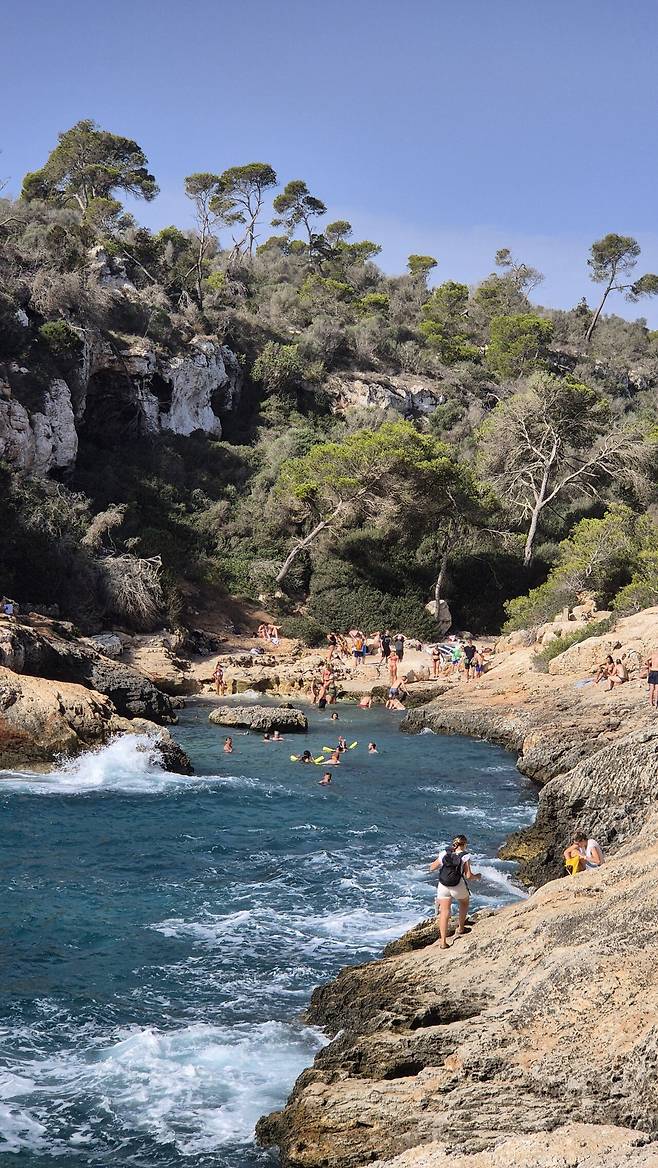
(535, 472)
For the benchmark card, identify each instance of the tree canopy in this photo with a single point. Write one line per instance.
(90, 163)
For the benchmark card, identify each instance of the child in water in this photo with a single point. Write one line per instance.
(228, 746)
(372, 748)
(325, 780)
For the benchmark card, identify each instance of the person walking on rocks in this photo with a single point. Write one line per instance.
(652, 667)
(454, 865)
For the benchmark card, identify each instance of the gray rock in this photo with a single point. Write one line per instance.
(48, 649)
(260, 718)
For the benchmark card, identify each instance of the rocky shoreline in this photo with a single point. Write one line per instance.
(532, 1042)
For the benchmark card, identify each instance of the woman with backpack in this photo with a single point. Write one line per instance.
(454, 866)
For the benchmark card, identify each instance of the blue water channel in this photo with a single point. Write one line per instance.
(160, 935)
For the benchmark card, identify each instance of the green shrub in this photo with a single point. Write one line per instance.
(61, 340)
(304, 628)
(278, 368)
(564, 641)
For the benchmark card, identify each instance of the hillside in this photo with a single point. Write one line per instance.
(272, 416)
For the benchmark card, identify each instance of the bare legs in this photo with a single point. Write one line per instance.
(443, 919)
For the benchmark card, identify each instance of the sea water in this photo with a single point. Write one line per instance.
(161, 935)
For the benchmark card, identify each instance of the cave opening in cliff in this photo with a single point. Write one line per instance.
(163, 391)
(113, 410)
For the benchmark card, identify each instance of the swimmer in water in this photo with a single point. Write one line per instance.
(276, 737)
(342, 744)
(228, 746)
(334, 717)
(334, 757)
(325, 780)
(372, 748)
(305, 757)
(266, 738)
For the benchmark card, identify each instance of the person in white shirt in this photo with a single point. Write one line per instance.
(583, 853)
(454, 864)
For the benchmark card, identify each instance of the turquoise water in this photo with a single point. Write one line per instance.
(160, 935)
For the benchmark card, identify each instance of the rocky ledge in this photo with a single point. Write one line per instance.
(42, 647)
(263, 718)
(531, 1042)
(42, 721)
(543, 1016)
(59, 695)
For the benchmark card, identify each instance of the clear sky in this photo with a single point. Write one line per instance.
(452, 128)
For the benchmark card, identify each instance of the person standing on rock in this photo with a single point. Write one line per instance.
(218, 678)
(652, 667)
(454, 866)
(470, 653)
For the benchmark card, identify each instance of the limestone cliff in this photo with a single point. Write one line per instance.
(115, 392)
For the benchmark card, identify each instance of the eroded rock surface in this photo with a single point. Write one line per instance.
(260, 718)
(543, 1017)
(42, 720)
(44, 648)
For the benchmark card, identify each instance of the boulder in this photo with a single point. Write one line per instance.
(42, 720)
(109, 644)
(48, 649)
(263, 718)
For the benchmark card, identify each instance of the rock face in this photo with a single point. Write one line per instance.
(406, 393)
(260, 718)
(41, 720)
(43, 439)
(541, 1019)
(573, 1145)
(48, 649)
(158, 657)
(139, 390)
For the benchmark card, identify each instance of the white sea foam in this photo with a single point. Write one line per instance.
(197, 1089)
(129, 763)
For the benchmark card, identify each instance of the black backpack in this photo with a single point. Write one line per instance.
(450, 872)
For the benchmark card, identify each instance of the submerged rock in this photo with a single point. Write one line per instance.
(260, 718)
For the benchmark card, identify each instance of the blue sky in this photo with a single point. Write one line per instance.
(448, 128)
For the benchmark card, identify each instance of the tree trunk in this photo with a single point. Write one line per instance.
(595, 319)
(440, 580)
(530, 538)
(303, 544)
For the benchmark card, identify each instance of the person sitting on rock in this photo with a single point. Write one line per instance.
(582, 853)
(618, 675)
(604, 670)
